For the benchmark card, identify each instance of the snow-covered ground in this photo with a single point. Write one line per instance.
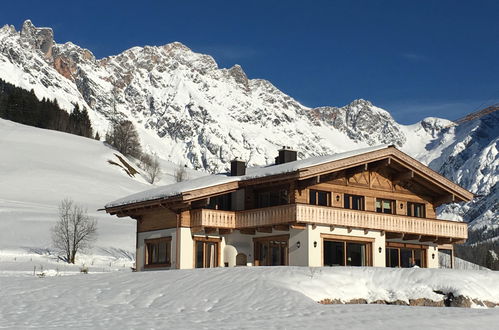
(39, 168)
(245, 298)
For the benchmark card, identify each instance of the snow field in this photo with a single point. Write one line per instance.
(244, 298)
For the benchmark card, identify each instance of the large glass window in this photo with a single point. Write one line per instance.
(384, 206)
(345, 253)
(206, 250)
(158, 252)
(405, 257)
(271, 251)
(319, 197)
(272, 198)
(416, 210)
(354, 202)
(222, 202)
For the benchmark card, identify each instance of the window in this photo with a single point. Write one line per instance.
(272, 198)
(271, 251)
(221, 202)
(319, 197)
(384, 206)
(416, 210)
(158, 252)
(354, 202)
(405, 256)
(206, 252)
(349, 252)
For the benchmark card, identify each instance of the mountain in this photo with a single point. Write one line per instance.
(189, 111)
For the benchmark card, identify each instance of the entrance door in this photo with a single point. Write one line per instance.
(271, 251)
(338, 252)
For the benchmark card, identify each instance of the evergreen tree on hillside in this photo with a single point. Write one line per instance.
(23, 107)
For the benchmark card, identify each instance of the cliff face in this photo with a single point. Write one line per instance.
(188, 110)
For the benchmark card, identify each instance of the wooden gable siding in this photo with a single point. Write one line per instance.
(371, 184)
(436, 180)
(161, 219)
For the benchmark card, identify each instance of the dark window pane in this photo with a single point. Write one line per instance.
(334, 253)
(418, 258)
(356, 254)
(405, 257)
(312, 197)
(357, 202)
(199, 254)
(346, 202)
(322, 198)
(392, 258)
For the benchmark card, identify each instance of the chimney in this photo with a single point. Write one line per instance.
(237, 167)
(286, 155)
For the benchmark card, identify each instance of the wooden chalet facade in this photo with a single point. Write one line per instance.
(370, 207)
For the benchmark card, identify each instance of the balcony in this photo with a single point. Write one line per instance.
(312, 214)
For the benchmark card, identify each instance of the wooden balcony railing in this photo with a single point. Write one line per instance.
(302, 213)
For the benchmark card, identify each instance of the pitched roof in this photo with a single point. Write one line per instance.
(222, 178)
(304, 168)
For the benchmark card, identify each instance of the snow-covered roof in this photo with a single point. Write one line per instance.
(251, 173)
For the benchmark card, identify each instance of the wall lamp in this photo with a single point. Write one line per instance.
(337, 198)
(315, 244)
(380, 249)
(433, 255)
(298, 244)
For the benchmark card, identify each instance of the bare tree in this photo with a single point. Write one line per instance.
(124, 137)
(152, 167)
(180, 173)
(74, 231)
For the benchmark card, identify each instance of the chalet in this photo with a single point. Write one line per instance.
(369, 207)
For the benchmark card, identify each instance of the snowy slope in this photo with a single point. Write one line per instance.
(38, 168)
(246, 298)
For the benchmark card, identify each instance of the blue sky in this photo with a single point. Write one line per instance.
(413, 58)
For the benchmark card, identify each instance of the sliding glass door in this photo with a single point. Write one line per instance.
(271, 251)
(405, 256)
(346, 253)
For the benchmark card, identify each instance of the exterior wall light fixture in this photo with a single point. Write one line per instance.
(380, 249)
(298, 244)
(315, 244)
(337, 198)
(433, 255)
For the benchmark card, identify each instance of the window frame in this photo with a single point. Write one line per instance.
(382, 200)
(411, 207)
(348, 198)
(157, 241)
(205, 241)
(316, 193)
(267, 240)
(367, 241)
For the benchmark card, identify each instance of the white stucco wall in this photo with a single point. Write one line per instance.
(432, 262)
(140, 253)
(186, 252)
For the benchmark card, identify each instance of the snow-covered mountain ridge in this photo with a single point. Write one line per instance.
(188, 110)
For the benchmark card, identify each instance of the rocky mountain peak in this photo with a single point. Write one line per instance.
(41, 39)
(239, 76)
